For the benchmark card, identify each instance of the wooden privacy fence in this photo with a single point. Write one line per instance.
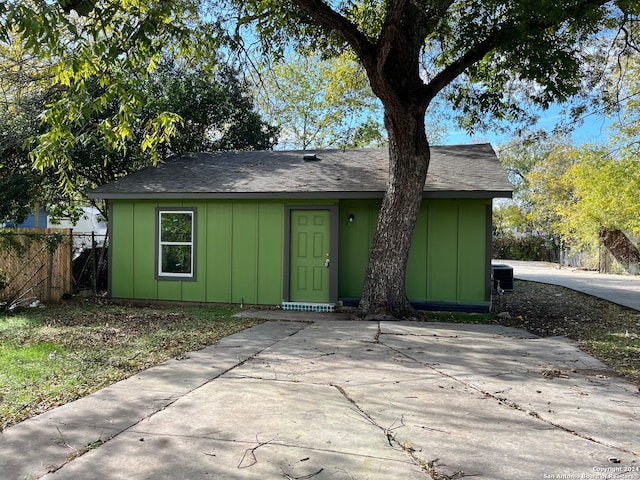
(35, 263)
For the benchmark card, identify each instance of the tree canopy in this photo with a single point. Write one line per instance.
(114, 44)
(216, 112)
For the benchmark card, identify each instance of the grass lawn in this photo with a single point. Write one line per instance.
(53, 355)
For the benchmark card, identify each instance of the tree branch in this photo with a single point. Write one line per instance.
(629, 40)
(500, 36)
(456, 68)
(435, 15)
(394, 40)
(332, 20)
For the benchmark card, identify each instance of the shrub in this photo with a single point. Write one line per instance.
(530, 247)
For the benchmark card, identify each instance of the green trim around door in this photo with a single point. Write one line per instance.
(311, 253)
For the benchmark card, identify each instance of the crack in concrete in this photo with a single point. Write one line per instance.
(512, 405)
(147, 417)
(430, 335)
(425, 466)
(253, 445)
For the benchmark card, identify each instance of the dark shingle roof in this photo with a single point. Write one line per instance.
(455, 171)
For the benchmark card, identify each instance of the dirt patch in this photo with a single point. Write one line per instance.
(609, 331)
(549, 310)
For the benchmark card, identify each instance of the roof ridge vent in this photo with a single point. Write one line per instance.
(310, 157)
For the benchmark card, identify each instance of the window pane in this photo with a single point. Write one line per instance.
(175, 227)
(176, 259)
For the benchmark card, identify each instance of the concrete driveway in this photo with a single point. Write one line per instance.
(321, 397)
(620, 289)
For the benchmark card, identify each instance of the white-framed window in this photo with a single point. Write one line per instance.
(176, 247)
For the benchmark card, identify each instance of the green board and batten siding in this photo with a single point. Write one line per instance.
(239, 254)
(240, 250)
(448, 260)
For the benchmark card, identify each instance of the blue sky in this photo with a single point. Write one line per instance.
(593, 130)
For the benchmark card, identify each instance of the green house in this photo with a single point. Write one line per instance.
(294, 228)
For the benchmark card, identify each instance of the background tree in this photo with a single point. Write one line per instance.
(213, 103)
(24, 90)
(18, 181)
(616, 171)
(320, 103)
(520, 158)
(586, 195)
(605, 193)
(526, 227)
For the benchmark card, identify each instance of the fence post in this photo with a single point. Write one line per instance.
(50, 283)
(94, 266)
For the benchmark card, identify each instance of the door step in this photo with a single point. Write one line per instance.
(309, 307)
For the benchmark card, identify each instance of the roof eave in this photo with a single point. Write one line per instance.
(290, 195)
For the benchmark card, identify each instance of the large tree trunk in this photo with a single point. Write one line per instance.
(384, 292)
(393, 68)
(622, 249)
